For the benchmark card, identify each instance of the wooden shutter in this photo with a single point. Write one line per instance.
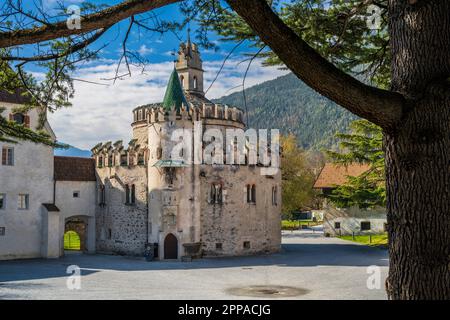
(27, 121)
(3, 156)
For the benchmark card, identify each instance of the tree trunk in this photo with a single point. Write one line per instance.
(418, 152)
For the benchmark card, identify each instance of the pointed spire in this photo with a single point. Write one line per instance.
(174, 97)
(189, 35)
(188, 43)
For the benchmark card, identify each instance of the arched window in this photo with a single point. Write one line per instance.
(111, 160)
(141, 159)
(123, 160)
(212, 194)
(195, 83)
(182, 81)
(158, 153)
(274, 196)
(127, 194)
(133, 194)
(216, 193)
(253, 194)
(102, 195)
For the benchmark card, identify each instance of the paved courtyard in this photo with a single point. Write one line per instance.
(312, 266)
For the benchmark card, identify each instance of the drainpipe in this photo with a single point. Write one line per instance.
(54, 191)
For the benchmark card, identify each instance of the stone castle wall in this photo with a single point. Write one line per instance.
(237, 227)
(122, 228)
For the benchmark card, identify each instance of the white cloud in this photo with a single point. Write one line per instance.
(103, 113)
(144, 50)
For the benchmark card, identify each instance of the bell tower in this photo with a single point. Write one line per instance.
(189, 67)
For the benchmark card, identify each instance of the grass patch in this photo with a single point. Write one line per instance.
(377, 239)
(71, 241)
(297, 224)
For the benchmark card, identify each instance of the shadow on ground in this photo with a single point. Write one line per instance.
(319, 253)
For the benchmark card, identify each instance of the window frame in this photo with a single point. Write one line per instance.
(2, 201)
(8, 156)
(27, 201)
(123, 163)
(365, 223)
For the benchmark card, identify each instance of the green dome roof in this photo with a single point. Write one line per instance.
(174, 97)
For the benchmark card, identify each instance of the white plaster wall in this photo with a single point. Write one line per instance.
(350, 220)
(31, 174)
(70, 206)
(83, 206)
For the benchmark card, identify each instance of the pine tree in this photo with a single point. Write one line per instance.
(362, 145)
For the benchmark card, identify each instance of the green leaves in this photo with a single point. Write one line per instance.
(297, 176)
(362, 145)
(337, 29)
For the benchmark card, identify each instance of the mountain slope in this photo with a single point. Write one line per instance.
(286, 103)
(73, 152)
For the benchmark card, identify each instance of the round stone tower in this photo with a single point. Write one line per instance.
(186, 215)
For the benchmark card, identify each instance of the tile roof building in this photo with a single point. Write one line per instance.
(333, 175)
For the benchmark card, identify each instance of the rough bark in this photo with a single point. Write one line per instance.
(95, 21)
(418, 153)
(382, 107)
(416, 122)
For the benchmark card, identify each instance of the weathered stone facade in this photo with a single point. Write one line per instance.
(151, 200)
(121, 226)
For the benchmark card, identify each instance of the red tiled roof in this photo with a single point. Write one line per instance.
(335, 175)
(74, 169)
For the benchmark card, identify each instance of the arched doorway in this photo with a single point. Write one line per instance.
(72, 241)
(170, 247)
(75, 226)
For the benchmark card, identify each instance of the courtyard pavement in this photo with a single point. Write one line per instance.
(312, 266)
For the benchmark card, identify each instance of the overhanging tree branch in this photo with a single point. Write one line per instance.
(46, 57)
(91, 22)
(384, 108)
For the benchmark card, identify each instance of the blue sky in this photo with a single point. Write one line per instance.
(103, 112)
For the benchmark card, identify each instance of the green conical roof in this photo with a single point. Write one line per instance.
(174, 97)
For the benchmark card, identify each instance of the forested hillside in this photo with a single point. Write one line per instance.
(286, 103)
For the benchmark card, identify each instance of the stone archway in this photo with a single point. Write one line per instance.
(170, 247)
(78, 225)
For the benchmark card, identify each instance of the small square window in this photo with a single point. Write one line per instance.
(23, 201)
(365, 225)
(2, 201)
(76, 194)
(337, 225)
(246, 244)
(2, 231)
(218, 246)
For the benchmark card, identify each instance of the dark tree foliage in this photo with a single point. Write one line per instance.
(364, 145)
